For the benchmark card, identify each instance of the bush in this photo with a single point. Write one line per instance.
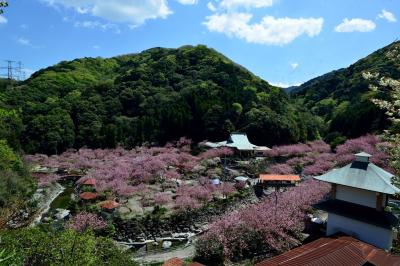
(34, 246)
(15, 181)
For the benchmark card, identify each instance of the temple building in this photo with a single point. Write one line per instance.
(240, 143)
(359, 196)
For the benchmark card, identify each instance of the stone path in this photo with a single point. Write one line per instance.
(183, 253)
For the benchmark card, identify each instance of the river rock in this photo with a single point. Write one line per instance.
(149, 209)
(46, 219)
(166, 244)
(62, 213)
(199, 169)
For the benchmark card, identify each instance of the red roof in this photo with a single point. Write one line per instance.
(334, 251)
(89, 182)
(266, 177)
(109, 204)
(173, 262)
(88, 195)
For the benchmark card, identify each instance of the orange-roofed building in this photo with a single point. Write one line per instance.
(268, 177)
(344, 251)
(88, 195)
(173, 262)
(266, 181)
(109, 204)
(89, 182)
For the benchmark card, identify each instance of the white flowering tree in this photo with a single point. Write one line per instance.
(392, 109)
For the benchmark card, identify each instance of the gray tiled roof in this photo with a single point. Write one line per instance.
(363, 175)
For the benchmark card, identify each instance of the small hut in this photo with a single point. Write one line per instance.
(89, 182)
(109, 205)
(88, 196)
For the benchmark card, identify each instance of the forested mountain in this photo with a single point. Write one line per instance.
(153, 96)
(343, 97)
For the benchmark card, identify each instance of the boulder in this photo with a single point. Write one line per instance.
(62, 214)
(166, 244)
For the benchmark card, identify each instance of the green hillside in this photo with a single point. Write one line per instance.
(153, 96)
(343, 98)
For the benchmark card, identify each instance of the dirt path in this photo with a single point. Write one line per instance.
(183, 253)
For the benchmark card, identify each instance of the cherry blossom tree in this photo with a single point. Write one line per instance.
(273, 225)
(85, 220)
(162, 198)
(281, 169)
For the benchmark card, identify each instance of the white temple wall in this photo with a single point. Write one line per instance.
(357, 196)
(374, 235)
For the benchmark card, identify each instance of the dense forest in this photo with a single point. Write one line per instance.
(343, 97)
(155, 96)
(161, 94)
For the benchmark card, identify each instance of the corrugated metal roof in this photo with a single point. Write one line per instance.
(345, 251)
(267, 177)
(370, 177)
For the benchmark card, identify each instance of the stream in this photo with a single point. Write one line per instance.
(44, 206)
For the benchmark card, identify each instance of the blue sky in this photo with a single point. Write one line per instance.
(285, 42)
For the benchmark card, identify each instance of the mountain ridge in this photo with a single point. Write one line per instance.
(342, 97)
(154, 96)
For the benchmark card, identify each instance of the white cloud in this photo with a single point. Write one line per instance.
(355, 24)
(24, 41)
(271, 31)
(96, 47)
(82, 10)
(23, 26)
(232, 4)
(187, 2)
(387, 15)
(93, 24)
(211, 6)
(3, 20)
(284, 84)
(134, 12)
(294, 65)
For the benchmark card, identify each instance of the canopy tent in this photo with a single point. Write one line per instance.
(215, 181)
(241, 178)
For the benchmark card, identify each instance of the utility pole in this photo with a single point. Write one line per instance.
(21, 73)
(14, 71)
(9, 69)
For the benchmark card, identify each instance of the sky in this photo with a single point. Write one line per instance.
(285, 42)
